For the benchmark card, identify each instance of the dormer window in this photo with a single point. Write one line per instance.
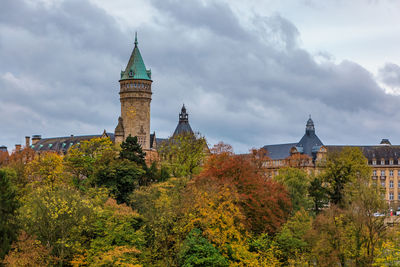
(391, 162)
(382, 162)
(374, 162)
(131, 73)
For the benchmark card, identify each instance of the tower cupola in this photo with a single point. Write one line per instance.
(310, 129)
(183, 126)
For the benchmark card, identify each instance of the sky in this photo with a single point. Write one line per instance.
(249, 72)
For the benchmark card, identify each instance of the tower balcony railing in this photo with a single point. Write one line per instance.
(374, 177)
(383, 177)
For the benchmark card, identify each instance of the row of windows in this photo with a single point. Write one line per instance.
(391, 184)
(391, 162)
(136, 85)
(382, 173)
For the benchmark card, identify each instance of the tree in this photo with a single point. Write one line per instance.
(8, 210)
(198, 251)
(81, 158)
(117, 237)
(28, 251)
(291, 240)
(318, 193)
(120, 176)
(46, 169)
(132, 150)
(266, 203)
(297, 183)
(342, 170)
(61, 217)
(184, 154)
(160, 205)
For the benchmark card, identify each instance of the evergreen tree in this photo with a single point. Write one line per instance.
(8, 207)
(132, 150)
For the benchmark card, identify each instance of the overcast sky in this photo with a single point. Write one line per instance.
(249, 72)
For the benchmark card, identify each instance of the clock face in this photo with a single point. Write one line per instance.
(131, 113)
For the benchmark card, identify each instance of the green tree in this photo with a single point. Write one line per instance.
(184, 154)
(291, 240)
(8, 209)
(132, 150)
(198, 251)
(297, 183)
(318, 193)
(120, 176)
(342, 171)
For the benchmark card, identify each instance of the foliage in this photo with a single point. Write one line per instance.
(61, 217)
(198, 251)
(46, 169)
(132, 150)
(297, 183)
(81, 158)
(117, 237)
(184, 154)
(120, 176)
(342, 171)
(318, 193)
(291, 240)
(28, 251)
(265, 203)
(8, 209)
(160, 204)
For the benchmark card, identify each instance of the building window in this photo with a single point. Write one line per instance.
(374, 162)
(374, 172)
(382, 173)
(391, 184)
(382, 162)
(398, 184)
(383, 183)
(391, 196)
(391, 173)
(398, 196)
(398, 173)
(391, 162)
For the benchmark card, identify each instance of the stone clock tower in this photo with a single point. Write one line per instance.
(135, 96)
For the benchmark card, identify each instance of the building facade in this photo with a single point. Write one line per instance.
(310, 153)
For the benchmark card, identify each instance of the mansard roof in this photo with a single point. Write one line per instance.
(135, 69)
(62, 144)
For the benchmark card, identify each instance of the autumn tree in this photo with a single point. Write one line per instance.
(81, 158)
(266, 204)
(28, 251)
(184, 154)
(8, 210)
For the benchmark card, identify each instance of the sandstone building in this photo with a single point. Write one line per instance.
(309, 154)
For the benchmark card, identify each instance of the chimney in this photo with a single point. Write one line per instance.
(27, 141)
(35, 139)
(18, 147)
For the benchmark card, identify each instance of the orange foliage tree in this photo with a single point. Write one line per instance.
(265, 203)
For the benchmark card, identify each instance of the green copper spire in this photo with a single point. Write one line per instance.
(136, 69)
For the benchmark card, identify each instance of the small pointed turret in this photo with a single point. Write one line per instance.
(310, 126)
(183, 124)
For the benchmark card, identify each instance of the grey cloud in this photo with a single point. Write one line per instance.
(390, 74)
(246, 85)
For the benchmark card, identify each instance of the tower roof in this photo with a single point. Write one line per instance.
(310, 140)
(135, 69)
(183, 124)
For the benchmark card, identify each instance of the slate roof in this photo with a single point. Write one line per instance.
(183, 124)
(279, 151)
(376, 152)
(135, 69)
(62, 144)
(308, 144)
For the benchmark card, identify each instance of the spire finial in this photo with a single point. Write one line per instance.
(136, 42)
(309, 116)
